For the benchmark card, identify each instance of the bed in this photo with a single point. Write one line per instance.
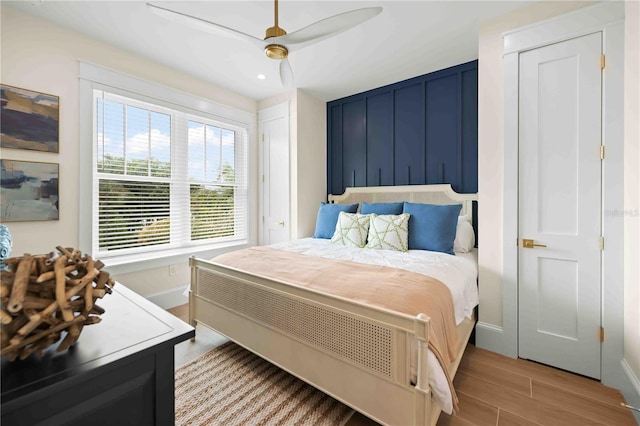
(376, 360)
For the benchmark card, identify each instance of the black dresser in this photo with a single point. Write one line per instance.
(120, 372)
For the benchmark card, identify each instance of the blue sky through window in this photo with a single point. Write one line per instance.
(142, 138)
(144, 135)
(210, 149)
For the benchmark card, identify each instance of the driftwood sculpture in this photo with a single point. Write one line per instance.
(42, 296)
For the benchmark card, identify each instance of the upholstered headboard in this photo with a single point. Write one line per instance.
(430, 194)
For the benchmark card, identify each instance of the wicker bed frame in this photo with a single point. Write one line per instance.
(311, 335)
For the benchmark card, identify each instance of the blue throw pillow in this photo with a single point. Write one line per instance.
(381, 208)
(432, 227)
(328, 217)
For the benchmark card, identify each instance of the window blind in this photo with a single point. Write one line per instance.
(165, 178)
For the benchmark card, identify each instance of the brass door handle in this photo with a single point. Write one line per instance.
(530, 244)
(281, 223)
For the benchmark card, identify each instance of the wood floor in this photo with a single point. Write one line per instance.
(493, 390)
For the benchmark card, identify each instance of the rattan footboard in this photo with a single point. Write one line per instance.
(355, 353)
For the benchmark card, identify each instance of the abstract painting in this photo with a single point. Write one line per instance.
(28, 191)
(29, 120)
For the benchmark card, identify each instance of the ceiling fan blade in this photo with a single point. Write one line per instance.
(204, 25)
(327, 27)
(286, 74)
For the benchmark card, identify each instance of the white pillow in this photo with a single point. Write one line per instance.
(465, 238)
(351, 229)
(389, 232)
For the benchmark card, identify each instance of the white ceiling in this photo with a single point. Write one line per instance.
(409, 38)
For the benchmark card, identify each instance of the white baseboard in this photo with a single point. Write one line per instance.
(170, 298)
(631, 391)
(491, 337)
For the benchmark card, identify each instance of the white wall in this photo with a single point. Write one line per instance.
(39, 55)
(311, 161)
(490, 161)
(632, 188)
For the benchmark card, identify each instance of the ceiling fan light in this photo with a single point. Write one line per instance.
(275, 51)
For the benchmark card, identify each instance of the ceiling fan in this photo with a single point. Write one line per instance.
(277, 43)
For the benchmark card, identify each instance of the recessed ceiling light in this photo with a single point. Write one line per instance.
(261, 76)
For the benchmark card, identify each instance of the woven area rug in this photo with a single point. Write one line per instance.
(231, 386)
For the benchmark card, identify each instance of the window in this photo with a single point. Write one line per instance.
(164, 178)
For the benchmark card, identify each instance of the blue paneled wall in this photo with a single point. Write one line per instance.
(419, 131)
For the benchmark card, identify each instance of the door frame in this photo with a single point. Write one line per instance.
(607, 18)
(264, 115)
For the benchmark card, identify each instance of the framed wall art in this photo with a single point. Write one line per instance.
(29, 120)
(28, 191)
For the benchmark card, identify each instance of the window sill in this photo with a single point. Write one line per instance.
(119, 265)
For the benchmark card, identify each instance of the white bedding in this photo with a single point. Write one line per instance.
(458, 273)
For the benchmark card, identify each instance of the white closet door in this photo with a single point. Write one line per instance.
(275, 202)
(560, 205)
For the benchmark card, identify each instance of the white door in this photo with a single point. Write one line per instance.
(274, 140)
(560, 205)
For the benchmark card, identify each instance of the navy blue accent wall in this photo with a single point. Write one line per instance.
(354, 143)
(409, 132)
(379, 133)
(419, 131)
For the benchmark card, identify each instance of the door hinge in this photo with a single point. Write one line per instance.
(601, 243)
(602, 152)
(602, 61)
(263, 137)
(262, 219)
(262, 178)
(602, 334)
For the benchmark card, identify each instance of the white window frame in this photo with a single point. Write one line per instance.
(94, 77)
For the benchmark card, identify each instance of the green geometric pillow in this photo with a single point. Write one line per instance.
(389, 232)
(351, 229)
